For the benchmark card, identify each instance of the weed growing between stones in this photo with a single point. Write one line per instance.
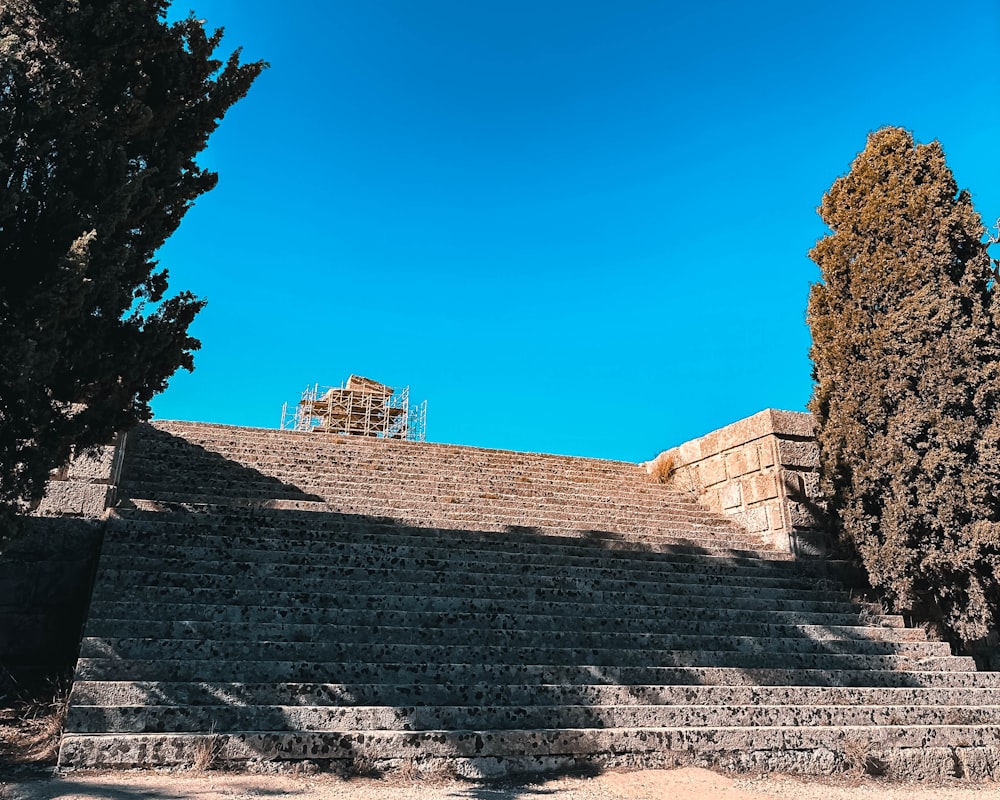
(860, 759)
(662, 468)
(206, 752)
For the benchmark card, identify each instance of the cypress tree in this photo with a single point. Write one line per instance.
(103, 108)
(906, 367)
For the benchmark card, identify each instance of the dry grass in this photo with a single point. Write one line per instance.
(662, 468)
(860, 760)
(31, 724)
(206, 752)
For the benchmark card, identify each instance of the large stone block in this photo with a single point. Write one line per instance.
(760, 487)
(93, 466)
(766, 455)
(804, 516)
(776, 516)
(689, 452)
(730, 497)
(712, 471)
(792, 423)
(742, 460)
(74, 498)
(753, 520)
(798, 454)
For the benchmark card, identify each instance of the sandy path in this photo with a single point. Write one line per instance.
(678, 784)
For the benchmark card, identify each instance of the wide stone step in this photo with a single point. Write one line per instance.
(345, 558)
(519, 638)
(342, 480)
(207, 605)
(456, 583)
(448, 515)
(351, 594)
(261, 442)
(155, 471)
(921, 752)
(583, 673)
(317, 531)
(391, 652)
(485, 625)
(133, 693)
(224, 718)
(696, 540)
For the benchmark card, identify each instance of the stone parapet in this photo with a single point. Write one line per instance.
(762, 472)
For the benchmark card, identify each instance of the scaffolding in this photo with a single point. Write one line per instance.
(359, 407)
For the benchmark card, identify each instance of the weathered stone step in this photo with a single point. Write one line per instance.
(348, 593)
(493, 537)
(583, 673)
(224, 718)
(338, 557)
(920, 752)
(491, 582)
(323, 530)
(132, 693)
(264, 441)
(154, 469)
(310, 525)
(209, 606)
(391, 652)
(433, 514)
(518, 637)
(484, 625)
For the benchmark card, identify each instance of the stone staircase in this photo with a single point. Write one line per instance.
(373, 605)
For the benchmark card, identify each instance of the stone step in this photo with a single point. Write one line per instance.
(455, 597)
(488, 625)
(934, 751)
(431, 514)
(795, 655)
(488, 610)
(227, 717)
(520, 637)
(257, 671)
(598, 498)
(343, 558)
(456, 583)
(209, 606)
(264, 441)
(301, 525)
(133, 693)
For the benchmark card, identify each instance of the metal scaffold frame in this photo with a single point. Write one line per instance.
(359, 407)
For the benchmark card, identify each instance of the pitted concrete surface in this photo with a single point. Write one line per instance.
(678, 784)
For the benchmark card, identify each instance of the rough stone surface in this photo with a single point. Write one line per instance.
(762, 472)
(364, 605)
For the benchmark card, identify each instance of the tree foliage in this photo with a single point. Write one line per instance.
(907, 382)
(103, 108)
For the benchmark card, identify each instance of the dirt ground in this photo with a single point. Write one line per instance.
(677, 784)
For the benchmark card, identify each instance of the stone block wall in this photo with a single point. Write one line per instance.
(763, 473)
(46, 574)
(86, 486)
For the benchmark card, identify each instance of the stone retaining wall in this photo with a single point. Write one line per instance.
(46, 574)
(762, 472)
(47, 569)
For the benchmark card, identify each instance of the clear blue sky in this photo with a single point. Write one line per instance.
(572, 227)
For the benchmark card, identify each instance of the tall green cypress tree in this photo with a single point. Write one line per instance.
(103, 109)
(906, 364)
